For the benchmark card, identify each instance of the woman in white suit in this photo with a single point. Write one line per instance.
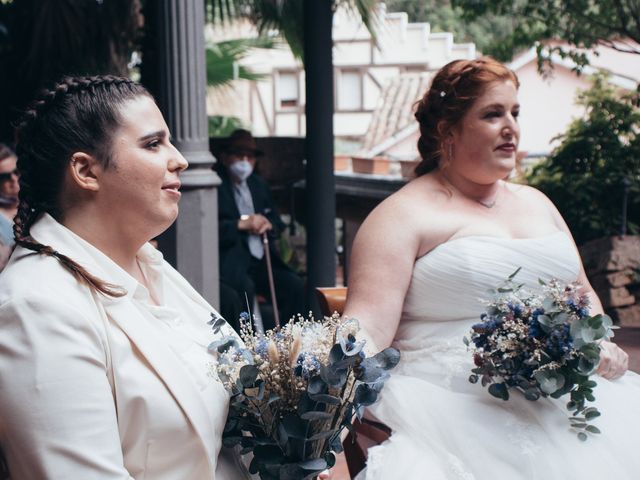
(104, 367)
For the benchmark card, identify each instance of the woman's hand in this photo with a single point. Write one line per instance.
(613, 361)
(340, 471)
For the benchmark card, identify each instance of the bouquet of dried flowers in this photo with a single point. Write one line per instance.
(542, 344)
(294, 390)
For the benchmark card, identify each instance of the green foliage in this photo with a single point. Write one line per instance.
(489, 32)
(285, 16)
(297, 441)
(222, 60)
(581, 23)
(221, 126)
(585, 174)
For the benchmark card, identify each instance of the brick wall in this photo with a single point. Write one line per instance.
(613, 267)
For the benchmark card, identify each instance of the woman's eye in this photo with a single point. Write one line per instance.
(516, 114)
(152, 145)
(493, 114)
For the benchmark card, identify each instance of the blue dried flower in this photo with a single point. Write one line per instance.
(515, 308)
(559, 343)
(262, 347)
(306, 365)
(244, 316)
(535, 329)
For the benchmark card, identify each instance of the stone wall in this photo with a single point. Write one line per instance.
(613, 267)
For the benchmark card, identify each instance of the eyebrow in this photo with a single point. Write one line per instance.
(157, 134)
(498, 105)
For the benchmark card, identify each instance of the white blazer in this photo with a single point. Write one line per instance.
(90, 388)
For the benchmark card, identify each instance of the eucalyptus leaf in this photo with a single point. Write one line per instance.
(316, 416)
(294, 426)
(216, 322)
(268, 454)
(336, 445)
(549, 306)
(330, 458)
(335, 353)
(223, 344)
(532, 394)
(549, 381)
(595, 322)
(561, 318)
(335, 379)
(315, 464)
(388, 358)
(248, 375)
(325, 398)
(513, 275)
(370, 374)
(545, 321)
(365, 395)
(499, 390)
(316, 385)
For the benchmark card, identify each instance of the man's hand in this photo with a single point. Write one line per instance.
(255, 224)
(613, 361)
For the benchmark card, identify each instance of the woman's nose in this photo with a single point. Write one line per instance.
(178, 162)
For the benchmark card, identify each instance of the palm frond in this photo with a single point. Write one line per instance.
(368, 12)
(285, 16)
(223, 60)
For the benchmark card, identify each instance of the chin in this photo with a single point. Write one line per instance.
(164, 220)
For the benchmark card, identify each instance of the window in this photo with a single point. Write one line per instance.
(350, 90)
(288, 93)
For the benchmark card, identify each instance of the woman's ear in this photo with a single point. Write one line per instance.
(83, 169)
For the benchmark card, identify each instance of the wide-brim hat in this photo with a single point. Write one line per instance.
(241, 141)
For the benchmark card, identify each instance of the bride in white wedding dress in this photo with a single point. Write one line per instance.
(421, 263)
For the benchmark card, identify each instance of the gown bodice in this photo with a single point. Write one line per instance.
(444, 427)
(448, 284)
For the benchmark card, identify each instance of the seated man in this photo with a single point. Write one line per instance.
(245, 212)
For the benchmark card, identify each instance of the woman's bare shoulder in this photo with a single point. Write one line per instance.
(526, 192)
(412, 215)
(420, 197)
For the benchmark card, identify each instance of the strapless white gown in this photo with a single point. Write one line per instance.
(447, 428)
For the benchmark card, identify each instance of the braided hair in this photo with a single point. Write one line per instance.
(76, 114)
(453, 91)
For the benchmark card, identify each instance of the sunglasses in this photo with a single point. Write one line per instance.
(4, 176)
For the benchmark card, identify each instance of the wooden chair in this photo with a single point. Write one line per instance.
(368, 432)
(331, 299)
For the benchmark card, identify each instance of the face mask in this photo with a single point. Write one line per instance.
(241, 170)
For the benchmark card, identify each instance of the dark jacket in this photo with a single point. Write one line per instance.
(235, 257)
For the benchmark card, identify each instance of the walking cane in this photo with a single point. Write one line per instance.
(272, 287)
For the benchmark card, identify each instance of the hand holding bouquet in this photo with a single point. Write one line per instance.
(293, 391)
(543, 344)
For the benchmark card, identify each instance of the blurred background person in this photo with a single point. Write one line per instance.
(9, 189)
(245, 212)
